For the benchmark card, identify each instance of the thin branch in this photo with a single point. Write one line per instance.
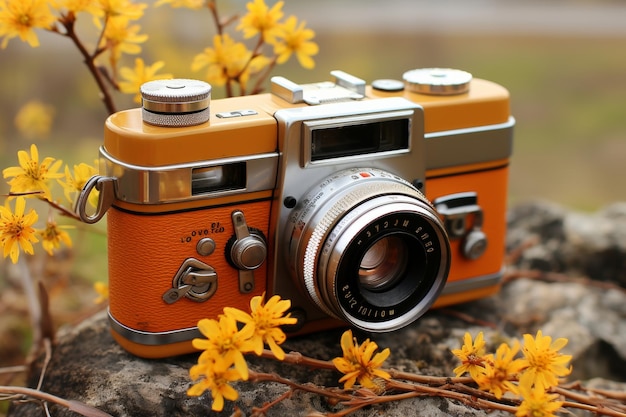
(308, 387)
(257, 86)
(34, 307)
(76, 406)
(14, 369)
(68, 21)
(46, 362)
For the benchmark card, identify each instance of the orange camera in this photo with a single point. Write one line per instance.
(363, 204)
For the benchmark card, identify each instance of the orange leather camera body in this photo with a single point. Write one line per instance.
(365, 205)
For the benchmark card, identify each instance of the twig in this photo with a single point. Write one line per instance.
(34, 307)
(265, 407)
(298, 358)
(76, 406)
(257, 86)
(449, 393)
(46, 361)
(589, 401)
(68, 22)
(13, 369)
(325, 392)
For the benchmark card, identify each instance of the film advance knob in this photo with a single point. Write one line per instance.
(175, 103)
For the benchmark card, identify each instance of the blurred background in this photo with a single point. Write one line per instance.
(564, 63)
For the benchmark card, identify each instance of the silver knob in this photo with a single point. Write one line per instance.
(175, 103)
(249, 250)
(437, 81)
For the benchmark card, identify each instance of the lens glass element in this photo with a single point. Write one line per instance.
(383, 264)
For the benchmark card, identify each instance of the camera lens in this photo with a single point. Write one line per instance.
(368, 248)
(383, 264)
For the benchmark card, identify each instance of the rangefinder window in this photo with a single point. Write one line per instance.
(359, 139)
(212, 179)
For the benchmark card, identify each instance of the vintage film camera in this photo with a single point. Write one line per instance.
(361, 204)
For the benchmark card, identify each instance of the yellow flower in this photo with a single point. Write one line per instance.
(263, 20)
(31, 175)
(227, 60)
(536, 401)
(499, 371)
(543, 361)
(225, 340)
(265, 320)
(357, 363)
(215, 377)
(20, 17)
(77, 6)
(471, 355)
(16, 229)
(135, 77)
(296, 39)
(126, 8)
(103, 292)
(74, 184)
(189, 4)
(52, 237)
(120, 37)
(34, 120)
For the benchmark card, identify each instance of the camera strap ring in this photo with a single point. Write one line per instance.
(106, 187)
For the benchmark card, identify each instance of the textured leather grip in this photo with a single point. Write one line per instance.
(146, 251)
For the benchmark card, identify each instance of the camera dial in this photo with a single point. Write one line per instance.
(368, 248)
(437, 81)
(175, 103)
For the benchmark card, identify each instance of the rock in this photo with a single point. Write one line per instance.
(88, 366)
(590, 245)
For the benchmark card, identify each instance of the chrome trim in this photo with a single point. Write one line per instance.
(153, 338)
(176, 107)
(469, 146)
(474, 283)
(172, 183)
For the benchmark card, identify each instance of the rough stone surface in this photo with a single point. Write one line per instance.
(590, 245)
(88, 366)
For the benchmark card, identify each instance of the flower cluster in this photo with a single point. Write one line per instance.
(229, 62)
(33, 178)
(530, 376)
(115, 32)
(222, 360)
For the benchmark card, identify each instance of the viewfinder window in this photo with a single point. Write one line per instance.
(357, 139)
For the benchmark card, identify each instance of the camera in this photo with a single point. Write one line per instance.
(365, 205)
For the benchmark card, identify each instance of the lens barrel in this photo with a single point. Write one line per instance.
(368, 248)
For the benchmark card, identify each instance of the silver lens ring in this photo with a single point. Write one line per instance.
(325, 254)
